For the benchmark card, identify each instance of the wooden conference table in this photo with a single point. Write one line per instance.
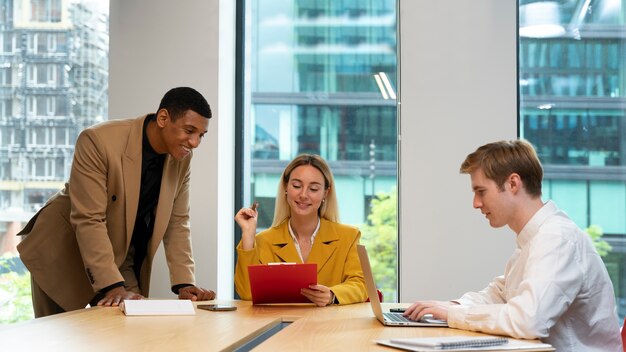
(304, 328)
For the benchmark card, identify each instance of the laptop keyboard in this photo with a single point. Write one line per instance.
(397, 317)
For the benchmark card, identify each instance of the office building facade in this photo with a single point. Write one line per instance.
(53, 84)
(573, 109)
(321, 78)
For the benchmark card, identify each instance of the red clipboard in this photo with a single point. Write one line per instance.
(281, 282)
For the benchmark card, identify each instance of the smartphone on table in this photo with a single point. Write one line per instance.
(217, 307)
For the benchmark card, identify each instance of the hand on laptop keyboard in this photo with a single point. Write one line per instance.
(428, 318)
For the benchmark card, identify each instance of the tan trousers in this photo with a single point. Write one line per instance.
(42, 304)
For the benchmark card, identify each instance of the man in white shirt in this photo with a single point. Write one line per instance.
(555, 286)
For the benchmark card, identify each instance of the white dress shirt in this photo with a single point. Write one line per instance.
(555, 287)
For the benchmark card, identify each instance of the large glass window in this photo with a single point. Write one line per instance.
(49, 92)
(572, 65)
(320, 77)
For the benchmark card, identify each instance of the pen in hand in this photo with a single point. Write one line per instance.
(246, 218)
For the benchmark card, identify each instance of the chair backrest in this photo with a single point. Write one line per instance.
(624, 335)
(380, 297)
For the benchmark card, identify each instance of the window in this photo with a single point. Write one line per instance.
(51, 106)
(31, 105)
(31, 74)
(38, 136)
(51, 75)
(41, 74)
(4, 107)
(39, 169)
(46, 106)
(7, 136)
(5, 75)
(33, 38)
(311, 88)
(46, 10)
(7, 42)
(43, 43)
(61, 136)
(52, 43)
(43, 107)
(573, 109)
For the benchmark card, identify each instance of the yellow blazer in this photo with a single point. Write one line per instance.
(78, 242)
(334, 251)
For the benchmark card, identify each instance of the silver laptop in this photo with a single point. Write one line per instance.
(388, 318)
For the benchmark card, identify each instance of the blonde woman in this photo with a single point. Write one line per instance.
(305, 230)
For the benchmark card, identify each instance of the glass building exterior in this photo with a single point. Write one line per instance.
(573, 109)
(53, 84)
(315, 83)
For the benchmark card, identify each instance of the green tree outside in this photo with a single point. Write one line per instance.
(596, 233)
(381, 239)
(15, 300)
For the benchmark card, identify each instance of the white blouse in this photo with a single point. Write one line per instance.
(295, 240)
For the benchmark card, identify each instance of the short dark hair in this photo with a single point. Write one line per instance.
(180, 99)
(498, 160)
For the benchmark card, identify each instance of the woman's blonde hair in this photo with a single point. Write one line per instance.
(328, 210)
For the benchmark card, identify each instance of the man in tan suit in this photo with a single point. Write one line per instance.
(94, 241)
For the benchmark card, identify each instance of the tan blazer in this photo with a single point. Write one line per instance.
(78, 242)
(334, 251)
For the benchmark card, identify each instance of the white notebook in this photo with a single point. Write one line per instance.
(158, 307)
(463, 343)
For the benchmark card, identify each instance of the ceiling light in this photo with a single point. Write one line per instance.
(381, 86)
(390, 90)
(541, 20)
